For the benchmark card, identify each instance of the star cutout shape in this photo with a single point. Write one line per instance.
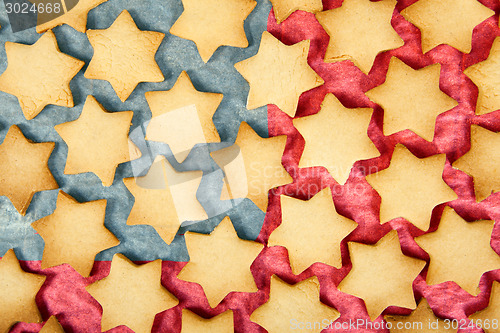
(165, 206)
(411, 187)
(23, 168)
(278, 74)
(182, 116)
(131, 295)
(221, 251)
(311, 231)
(75, 15)
(289, 304)
(419, 321)
(52, 326)
(343, 130)
(486, 76)
(446, 21)
(74, 234)
(258, 155)
(284, 8)
(192, 323)
(381, 275)
(411, 99)
(17, 292)
(481, 161)
(123, 48)
(460, 251)
(211, 25)
(97, 141)
(39, 75)
(492, 311)
(359, 30)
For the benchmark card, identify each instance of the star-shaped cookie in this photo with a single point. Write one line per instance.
(261, 171)
(17, 293)
(359, 30)
(124, 55)
(311, 231)
(411, 99)
(446, 21)
(343, 131)
(278, 74)
(289, 305)
(23, 168)
(210, 24)
(381, 275)
(221, 251)
(192, 323)
(284, 8)
(482, 161)
(97, 141)
(74, 234)
(39, 74)
(411, 187)
(460, 251)
(486, 76)
(182, 116)
(131, 295)
(52, 326)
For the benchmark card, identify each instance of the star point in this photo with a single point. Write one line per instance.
(278, 74)
(211, 25)
(123, 48)
(359, 30)
(381, 275)
(459, 251)
(411, 99)
(284, 8)
(39, 75)
(23, 168)
(446, 21)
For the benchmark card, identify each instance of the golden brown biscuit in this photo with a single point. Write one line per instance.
(336, 137)
(421, 320)
(482, 161)
(411, 99)
(97, 141)
(311, 231)
(381, 275)
(124, 55)
(164, 198)
(260, 170)
(221, 251)
(289, 305)
(23, 168)
(278, 74)
(52, 326)
(74, 234)
(131, 295)
(359, 30)
(284, 8)
(489, 318)
(486, 76)
(411, 187)
(446, 21)
(460, 251)
(17, 293)
(39, 74)
(210, 24)
(192, 323)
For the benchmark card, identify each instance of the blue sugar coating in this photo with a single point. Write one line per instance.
(140, 242)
